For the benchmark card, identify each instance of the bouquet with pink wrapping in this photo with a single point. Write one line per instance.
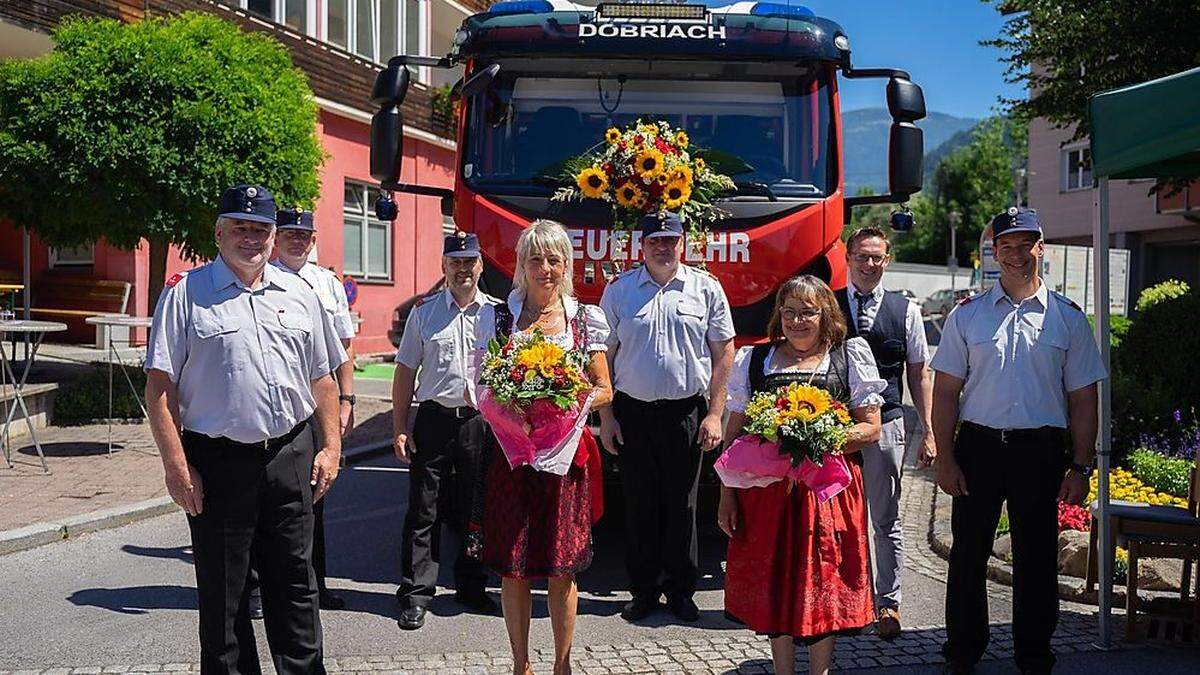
(536, 399)
(795, 432)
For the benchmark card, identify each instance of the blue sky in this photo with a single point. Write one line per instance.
(937, 41)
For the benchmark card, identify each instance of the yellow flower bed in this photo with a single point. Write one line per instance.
(1125, 486)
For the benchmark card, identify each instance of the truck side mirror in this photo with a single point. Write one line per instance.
(906, 149)
(387, 134)
(902, 220)
(391, 86)
(905, 100)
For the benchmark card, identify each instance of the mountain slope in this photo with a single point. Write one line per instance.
(865, 135)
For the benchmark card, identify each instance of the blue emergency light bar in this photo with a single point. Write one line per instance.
(520, 7)
(782, 11)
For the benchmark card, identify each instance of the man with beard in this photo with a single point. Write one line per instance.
(1018, 367)
(447, 443)
(238, 367)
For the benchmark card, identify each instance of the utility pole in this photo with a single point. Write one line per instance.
(952, 261)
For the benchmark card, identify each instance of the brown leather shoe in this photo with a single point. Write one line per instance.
(887, 623)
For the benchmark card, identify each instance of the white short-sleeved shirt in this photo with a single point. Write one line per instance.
(1018, 360)
(330, 292)
(439, 343)
(243, 359)
(865, 383)
(595, 324)
(916, 347)
(660, 334)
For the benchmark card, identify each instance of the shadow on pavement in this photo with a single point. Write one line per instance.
(181, 553)
(136, 599)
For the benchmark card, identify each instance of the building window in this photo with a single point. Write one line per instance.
(291, 13)
(377, 29)
(367, 240)
(1077, 169)
(74, 256)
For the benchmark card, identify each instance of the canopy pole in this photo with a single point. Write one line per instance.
(1101, 312)
(27, 280)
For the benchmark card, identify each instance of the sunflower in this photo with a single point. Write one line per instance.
(683, 173)
(807, 403)
(628, 195)
(676, 194)
(681, 139)
(541, 357)
(699, 164)
(612, 136)
(662, 179)
(649, 163)
(592, 182)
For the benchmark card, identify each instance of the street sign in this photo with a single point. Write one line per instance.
(351, 287)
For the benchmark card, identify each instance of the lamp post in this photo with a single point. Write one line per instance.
(952, 261)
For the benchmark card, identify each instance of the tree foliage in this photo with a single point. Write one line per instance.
(131, 131)
(976, 181)
(1063, 51)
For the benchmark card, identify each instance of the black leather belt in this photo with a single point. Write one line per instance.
(1033, 435)
(461, 412)
(670, 403)
(270, 444)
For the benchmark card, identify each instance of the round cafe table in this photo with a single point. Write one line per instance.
(36, 330)
(114, 356)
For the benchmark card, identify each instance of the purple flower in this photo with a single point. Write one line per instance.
(1178, 416)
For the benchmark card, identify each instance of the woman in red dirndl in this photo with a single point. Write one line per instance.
(535, 524)
(798, 569)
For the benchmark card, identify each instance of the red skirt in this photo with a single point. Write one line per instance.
(800, 568)
(538, 525)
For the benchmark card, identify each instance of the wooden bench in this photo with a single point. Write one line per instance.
(73, 299)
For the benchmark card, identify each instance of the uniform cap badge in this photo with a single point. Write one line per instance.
(251, 192)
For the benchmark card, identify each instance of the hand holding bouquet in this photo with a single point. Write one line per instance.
(795, 432)
(536, 399)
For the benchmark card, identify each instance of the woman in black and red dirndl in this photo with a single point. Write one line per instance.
(535, 524)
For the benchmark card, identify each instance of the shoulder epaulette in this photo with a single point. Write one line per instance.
(426, 299)
(175, 278)
(965, 300)
(1062, 298)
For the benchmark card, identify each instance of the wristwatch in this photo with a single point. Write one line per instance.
(1084, 469)
(348, 398)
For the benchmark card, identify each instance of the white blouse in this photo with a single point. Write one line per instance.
(865, 383)
(595, 328)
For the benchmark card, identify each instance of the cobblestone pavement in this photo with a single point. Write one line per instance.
(724, 651)
(84, 478)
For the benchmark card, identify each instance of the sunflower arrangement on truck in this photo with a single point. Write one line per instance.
(647, 167)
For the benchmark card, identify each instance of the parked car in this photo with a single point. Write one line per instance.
(941, 302)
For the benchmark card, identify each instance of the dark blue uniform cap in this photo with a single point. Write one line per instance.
(247, 202)
(295, 219)
(461, 245)
(1016, 220)
(662, 224)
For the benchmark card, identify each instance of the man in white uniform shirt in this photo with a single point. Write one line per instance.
(1017, 366)
(447, 444)
(892, 326)
(294, 241)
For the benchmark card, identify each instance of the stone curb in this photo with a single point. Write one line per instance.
(40, 534)
(1070, 589)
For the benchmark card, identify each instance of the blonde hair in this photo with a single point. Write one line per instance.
(811, 290)
(545, 237)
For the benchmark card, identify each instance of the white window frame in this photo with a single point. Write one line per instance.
(56, 259)
(377, 54)
(278, 8)
(365, 218)
(1077, 172)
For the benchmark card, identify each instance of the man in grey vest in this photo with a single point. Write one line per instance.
(892, 326)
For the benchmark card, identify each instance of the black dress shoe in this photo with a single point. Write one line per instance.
(684, 609)
(330, 601)
(256, 606)
(479, 603)
(639, 608)
(412, 618)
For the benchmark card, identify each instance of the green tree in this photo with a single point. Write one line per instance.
(1063, 51)
(131, 131)
(976, 181)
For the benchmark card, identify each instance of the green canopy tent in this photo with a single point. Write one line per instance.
(1148, 130)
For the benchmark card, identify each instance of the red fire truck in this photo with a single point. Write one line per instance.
(543, 80)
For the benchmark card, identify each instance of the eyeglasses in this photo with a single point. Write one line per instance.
(862, 258)
(808, 314)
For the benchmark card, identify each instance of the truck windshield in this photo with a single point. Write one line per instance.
(523, 127)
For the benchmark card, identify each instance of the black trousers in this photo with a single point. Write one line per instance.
(660, 468)
(448, 454)
(256, 499)
(1025, 469)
